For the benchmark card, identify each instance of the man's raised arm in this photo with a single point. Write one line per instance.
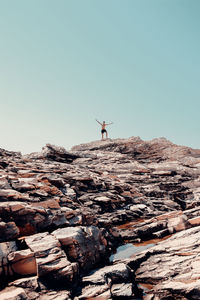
(98, 122)
(109, 123)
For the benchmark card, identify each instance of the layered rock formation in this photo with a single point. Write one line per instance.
(63, 213)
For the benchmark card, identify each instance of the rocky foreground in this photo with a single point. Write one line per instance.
(62, 215)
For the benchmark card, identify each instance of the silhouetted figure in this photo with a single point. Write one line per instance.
(103, 128)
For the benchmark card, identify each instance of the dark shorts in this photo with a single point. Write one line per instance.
(103, 130)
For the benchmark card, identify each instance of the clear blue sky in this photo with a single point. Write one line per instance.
(64, 63)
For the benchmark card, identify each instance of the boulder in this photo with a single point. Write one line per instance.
(84, 244)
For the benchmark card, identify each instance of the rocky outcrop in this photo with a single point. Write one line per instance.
(62, 213)
(109, 282)
(54, 153)
(171, 268)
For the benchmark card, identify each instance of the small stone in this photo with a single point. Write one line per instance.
(122, 290)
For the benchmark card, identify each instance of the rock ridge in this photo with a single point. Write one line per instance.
(63, 213)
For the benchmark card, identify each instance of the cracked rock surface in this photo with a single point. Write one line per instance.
(63, 213)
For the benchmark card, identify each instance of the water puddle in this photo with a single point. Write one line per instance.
(127, 250)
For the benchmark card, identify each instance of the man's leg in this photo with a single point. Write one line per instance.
(106, 134)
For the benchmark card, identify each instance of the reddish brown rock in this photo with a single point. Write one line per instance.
(23, 262)
(52, 204)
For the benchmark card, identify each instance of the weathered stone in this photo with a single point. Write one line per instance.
(96, 292)
(69, 212)
(26, 283)
(4, 184)
(30, 286)
(58, 154)
(5, 249)
(12, 293)
(177, 259)
(52, 204)
(178, 223)
(8, 231)
(83, 244)
(194, 221)
(117, 273)
(23, 262)
(41, 242)
(50, 258)
(178, 290)
(9, 194)
(103, 199)
(122, 290)
(56, 295)
(57, 181)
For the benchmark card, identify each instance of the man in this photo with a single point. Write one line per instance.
(103, 128)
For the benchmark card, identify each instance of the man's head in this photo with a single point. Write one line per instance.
(104, 122)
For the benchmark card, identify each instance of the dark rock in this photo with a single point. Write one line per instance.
(8, 231)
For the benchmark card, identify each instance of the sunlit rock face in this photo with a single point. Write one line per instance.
(63, 213)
